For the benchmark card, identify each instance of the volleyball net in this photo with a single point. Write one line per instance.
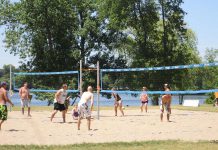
(183, 79)
(47, 82)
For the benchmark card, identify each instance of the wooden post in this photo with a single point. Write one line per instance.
(98, 90)
(10, 84)
(81, 79)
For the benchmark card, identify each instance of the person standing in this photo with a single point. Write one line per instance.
(166, 103)
(3, 100)
(83, 108)
(144, 99)
(60, 97)
(25, 98)
(117, 102)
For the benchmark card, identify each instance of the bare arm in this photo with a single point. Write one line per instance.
(20, 92)
(57, 95)
(92, 102)
(7, 99)
(115, 96)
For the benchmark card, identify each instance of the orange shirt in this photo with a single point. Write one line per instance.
(216, 94)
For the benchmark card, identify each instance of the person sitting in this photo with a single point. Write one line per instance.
(75, 112)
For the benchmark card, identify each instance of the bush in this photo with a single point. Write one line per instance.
(210, 99)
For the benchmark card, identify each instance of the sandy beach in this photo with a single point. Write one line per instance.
(135, 126)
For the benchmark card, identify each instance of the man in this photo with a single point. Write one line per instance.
(25, 98)
(3, 100)
(83, 108)
(165, 103)
(60, 97)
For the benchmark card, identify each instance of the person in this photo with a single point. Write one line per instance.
(83, 108)
(144, 99)
(3, 100)
(60, 97)
(216, 99)
(25, 98)
(166, 103)
(117, 102)
(75, 112)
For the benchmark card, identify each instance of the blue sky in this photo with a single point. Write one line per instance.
(202, 18)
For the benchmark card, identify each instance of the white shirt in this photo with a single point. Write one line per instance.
(85, 97)
(62, 97)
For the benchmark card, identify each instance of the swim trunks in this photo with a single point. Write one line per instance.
(3, 112)
(25, 103)
(60, 107)
(84, 110)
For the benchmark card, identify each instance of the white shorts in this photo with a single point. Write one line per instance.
(25, 103)
(84, 111)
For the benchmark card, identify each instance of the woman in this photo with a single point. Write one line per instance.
(117, 102)
(144, 99)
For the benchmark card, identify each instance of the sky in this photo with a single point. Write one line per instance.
(202, 18)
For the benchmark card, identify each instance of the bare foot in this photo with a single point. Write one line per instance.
(29, 115)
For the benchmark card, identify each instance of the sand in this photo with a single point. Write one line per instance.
(135, 126)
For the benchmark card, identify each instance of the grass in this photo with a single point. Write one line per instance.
(148, 145)
(205, 107)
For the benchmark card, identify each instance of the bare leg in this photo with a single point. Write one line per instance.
(115, 109)
(29, 112)
(22, 110)
(53, 114)
(89, 123)
(79, 122)
(1, 124)
(64, 116)
(161, 117)
(146, 107)
(168, 117)
(141, 107)
(121, 109)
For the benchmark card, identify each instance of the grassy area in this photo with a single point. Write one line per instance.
(207, 108)
(148, 145)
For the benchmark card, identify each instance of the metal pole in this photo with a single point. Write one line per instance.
(81, 80)
(98, 90)
(10, 84)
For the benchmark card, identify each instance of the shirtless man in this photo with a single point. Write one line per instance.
(117, 102)
(25, 98)
(83, 108)
(60, 97)
(165, 103)
(3, 100)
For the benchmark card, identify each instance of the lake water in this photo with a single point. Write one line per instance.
(127, 100)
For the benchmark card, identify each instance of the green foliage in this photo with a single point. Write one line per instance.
(210, 99)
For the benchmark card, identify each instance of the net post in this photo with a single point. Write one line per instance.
(98, 91)
(81, 80)
(101, 79)
(10, 84)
